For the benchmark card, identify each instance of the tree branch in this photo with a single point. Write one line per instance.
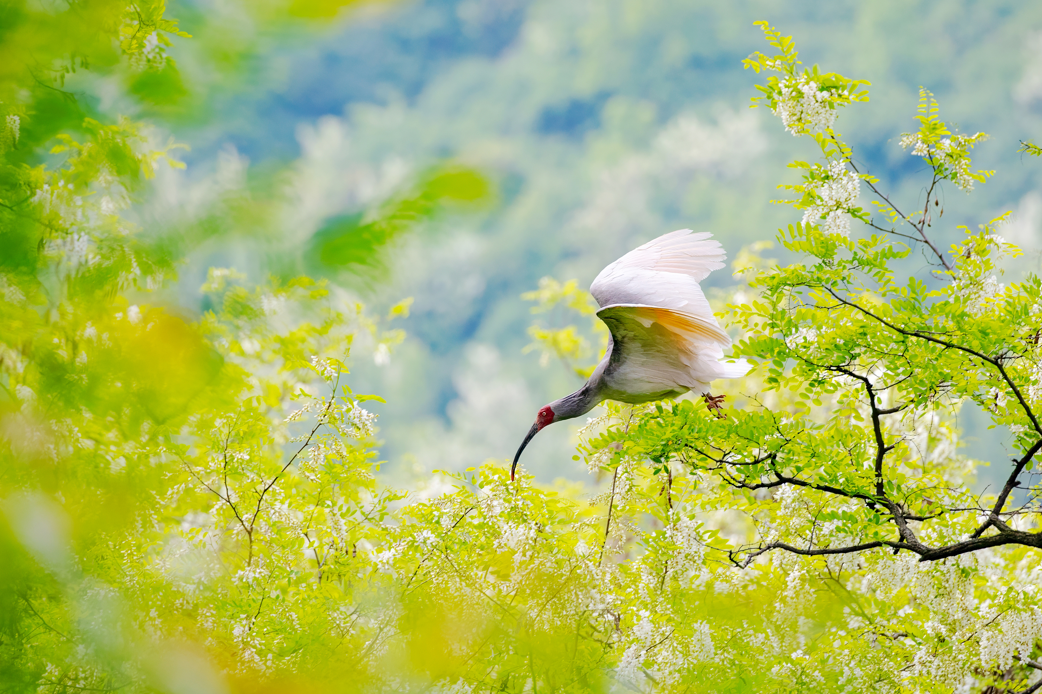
(922, 234)
(997, 363)
(853, 549)
(321, 420)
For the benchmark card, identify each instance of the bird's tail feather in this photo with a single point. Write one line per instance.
(735, 369)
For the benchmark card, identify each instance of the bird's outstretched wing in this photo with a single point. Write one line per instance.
(656, 350)
(664, 272)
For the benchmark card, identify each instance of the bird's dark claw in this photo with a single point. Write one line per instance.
(713, 404)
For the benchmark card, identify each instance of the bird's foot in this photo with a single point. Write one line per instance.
(713, 404)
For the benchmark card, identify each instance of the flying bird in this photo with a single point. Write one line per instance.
(663, 338)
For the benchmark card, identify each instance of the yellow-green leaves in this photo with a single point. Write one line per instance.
(566, 343)
(946, 152)
(805, 101)
(1030, 148)
(840, 457)
(356, 242)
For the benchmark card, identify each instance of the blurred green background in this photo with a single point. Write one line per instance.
(499, 141)
(599, 125)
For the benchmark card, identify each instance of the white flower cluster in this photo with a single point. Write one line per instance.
(686, 534)
(802, 107)
(325, 368)
(310, 465)
(835, 194)
(516, 535)
(1035, 387)
(108, 206)
(642, 636)
(297, 415)
(792, 512)
(1015, 636)
(976, 292)
(363, 421)
(915, 141)
(669, 655)
(385, 559)
(597, 461)
(950, 155)
(252, 574)
(62, 199)
(426, 539)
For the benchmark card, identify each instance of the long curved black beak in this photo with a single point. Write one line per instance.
(531, 432)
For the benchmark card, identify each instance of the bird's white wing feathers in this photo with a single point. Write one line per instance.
(655, 350)
(664, 335)
(663, 272)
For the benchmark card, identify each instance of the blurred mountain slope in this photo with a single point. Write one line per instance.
(603, 124)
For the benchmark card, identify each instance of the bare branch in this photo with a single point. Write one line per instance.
(922, 234)
(322, 418)
(852, 549)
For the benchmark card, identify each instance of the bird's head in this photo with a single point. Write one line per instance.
(545, 417)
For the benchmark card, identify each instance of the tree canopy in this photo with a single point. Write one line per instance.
(192, 503)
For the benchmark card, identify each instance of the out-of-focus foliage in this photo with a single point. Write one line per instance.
(355, 242)
(131, 432)
(190, 502)
(566, 343)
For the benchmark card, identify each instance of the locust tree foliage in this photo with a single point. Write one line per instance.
(844, 445)
(193, 504)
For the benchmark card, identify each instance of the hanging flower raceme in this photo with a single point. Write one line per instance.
(803, 107)
(948, 153)
(804, 99)
(830, 195)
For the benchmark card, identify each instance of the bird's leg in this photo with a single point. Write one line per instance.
(713, 403)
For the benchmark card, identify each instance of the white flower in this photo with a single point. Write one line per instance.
(382, 355)
(976, 292)
(426, 539)
(108, 206)
(250, 574)
(1012, 635)
(1035, 387)
(803, 108)
(325, 367)
(915, 141)
(834, 195)
(515, 535)
(641, 637)
(690, 548)
(385, 560)
(25, 393)
(363, 422)
(950, 155)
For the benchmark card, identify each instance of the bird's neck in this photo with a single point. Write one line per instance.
(577, 404)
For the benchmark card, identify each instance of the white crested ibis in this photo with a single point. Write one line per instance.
(664, 340)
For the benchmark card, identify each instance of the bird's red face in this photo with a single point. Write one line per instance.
(545, 417)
